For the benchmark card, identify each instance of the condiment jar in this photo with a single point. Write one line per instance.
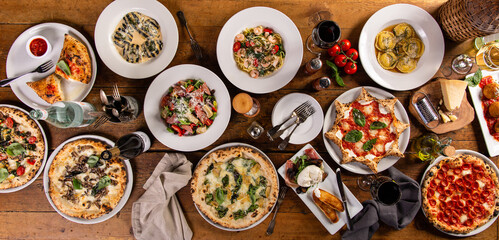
(321, 83)
(313, 66)
(243, 103)
(38, 47)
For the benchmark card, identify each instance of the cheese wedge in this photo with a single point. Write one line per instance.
(453, 92)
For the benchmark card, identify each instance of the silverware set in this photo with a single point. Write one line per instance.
(116, 107)
(282, 193)
(194, 44)
(301, 113)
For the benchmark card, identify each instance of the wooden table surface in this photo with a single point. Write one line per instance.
(28, 214)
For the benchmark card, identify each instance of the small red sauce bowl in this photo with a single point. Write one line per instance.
(38, 47)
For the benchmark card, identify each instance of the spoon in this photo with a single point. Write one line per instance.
(103, 97)
(115, 112)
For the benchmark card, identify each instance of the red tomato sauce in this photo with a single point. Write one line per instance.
(491, 121)
(38, 47)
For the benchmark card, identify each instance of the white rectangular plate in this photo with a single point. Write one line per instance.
(331, 185)
(476, 97)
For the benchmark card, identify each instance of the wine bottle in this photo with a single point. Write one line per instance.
(128, 146)
(66, 114)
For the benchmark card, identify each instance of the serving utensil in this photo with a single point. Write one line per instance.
(40, 69)
(116, 93)
(302, 117)
(101, 120)
(103, 97)
(194, 44)
(343, 198)
(275, 132)
(270, 229)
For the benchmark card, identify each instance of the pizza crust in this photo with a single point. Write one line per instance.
(84, 205)
(398, 127)
(221, 156)
(48, 89)
(432, 212)
(27, 124)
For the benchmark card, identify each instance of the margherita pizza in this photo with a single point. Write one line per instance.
(367, 130)
(460, 194)
(81, 184)
(234, 187)
(22, 148)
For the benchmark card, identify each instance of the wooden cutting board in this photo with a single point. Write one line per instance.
(465, 114)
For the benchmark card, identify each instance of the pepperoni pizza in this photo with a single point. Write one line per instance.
(460, 194)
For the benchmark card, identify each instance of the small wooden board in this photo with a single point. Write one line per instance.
(465, 114)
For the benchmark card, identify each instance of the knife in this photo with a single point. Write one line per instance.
(343, 198)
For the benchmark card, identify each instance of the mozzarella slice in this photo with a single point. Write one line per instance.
(309, 176)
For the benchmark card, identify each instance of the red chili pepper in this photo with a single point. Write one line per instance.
(255, 63)
(31, 161)
(20, 170)
(276, 49)
(178, 130)
(236, 47)
(9, 122)
(213, 109)
(32, 140)
(190, 88)
(209, 122)
(268, 30)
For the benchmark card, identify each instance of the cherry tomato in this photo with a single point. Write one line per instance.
(236, 47)
(255, 63)
(340, 60)
(345, 44)
(334, 50)
(352, 53)
(20, 170)
(268, 30)
(9, 122)
(32, 140)
(275, 49)
(31, 161)
(350, 68)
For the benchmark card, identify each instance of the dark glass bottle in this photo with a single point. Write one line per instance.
(128, 146)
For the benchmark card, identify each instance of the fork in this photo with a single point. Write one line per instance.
(270, 229)
(194, 44)
(101, 120)
(299, 120)
(40, 69)
(116, 93)
(275, 132)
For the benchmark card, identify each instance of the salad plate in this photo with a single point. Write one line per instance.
(19, 62)
(106, 25)
(425, 27)
(268, 18)
(334, 150)
(159, 88)
(330, 185)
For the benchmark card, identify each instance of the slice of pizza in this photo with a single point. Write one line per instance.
(74, 62)
(49, 88)
(367, 130)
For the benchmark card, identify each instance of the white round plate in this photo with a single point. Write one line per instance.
(121, 203)
(334, 150)
(267, 17)
(160, 86)
(237, 144)
(19, 62)
(427, 29)
(484, 158)
(44, 160)
(109, 19)
(309, 129)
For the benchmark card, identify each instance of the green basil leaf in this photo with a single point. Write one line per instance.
(230, 167)
(64, 67)
(377, 125)
(332, 65)
(4, 173)
(209, 169)
(339, 80)
(262, 181)
(358, 117)
(353, 136)
(92, 161)
(225, 180)
(15, 149)
(369, 144)
(103, 182)
(76, 184)
(336, 74)
(208, 198)
(474, 80)
(252, 192)
(220, 195)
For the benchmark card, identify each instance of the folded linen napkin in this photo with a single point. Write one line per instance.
(398, 216)
(157, 214)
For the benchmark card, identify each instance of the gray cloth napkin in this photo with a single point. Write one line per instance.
(398, 216)
(157, 214)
